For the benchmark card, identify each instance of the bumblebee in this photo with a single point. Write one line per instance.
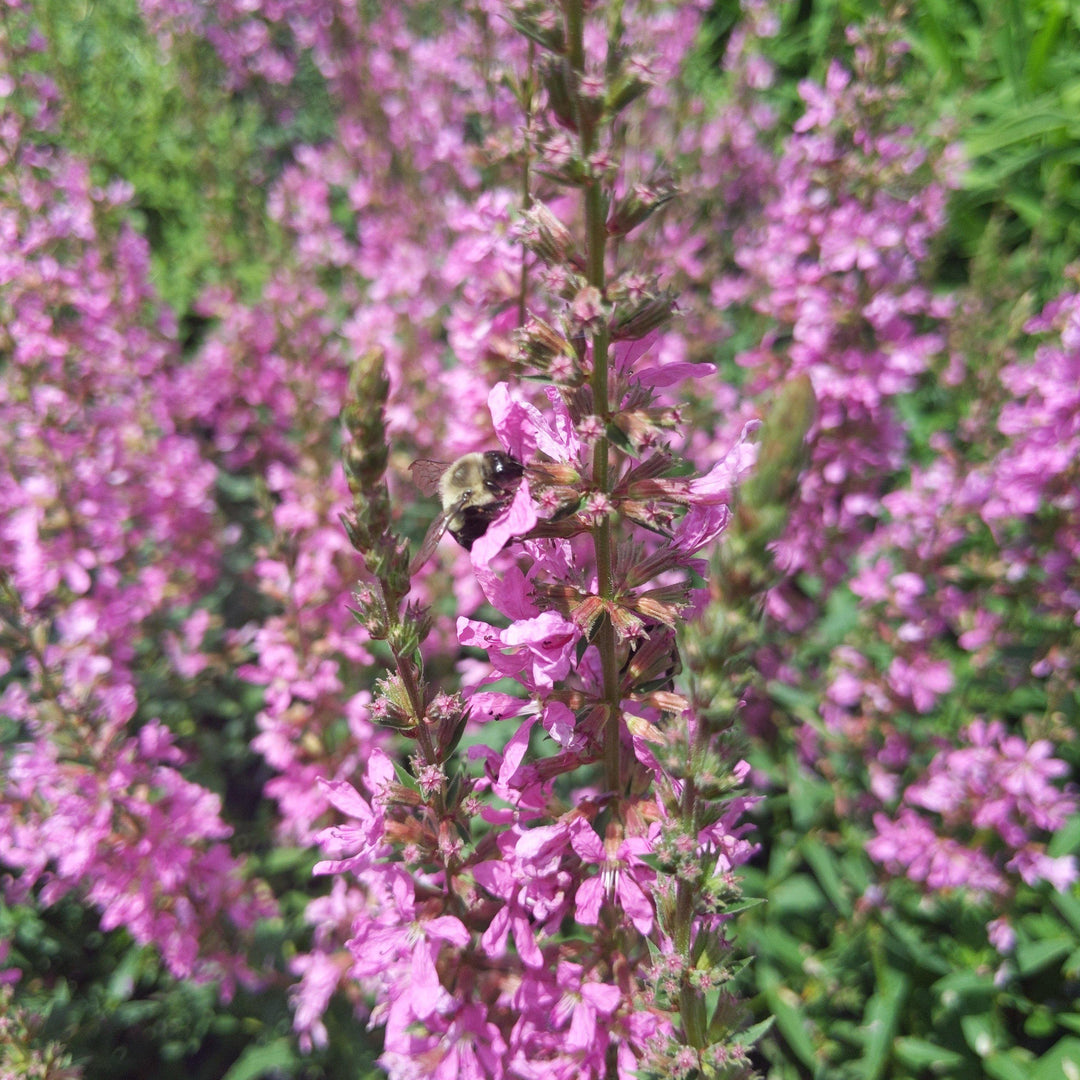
(473, 490)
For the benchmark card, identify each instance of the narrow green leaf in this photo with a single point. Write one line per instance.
(1021, 127)
(258, 1061)
(881, 1021)
(933, 42)
(823, 862)
(1066, 841)
(789, 1020)
(978, 1029)
(1069, 907)
(923, 1054)
(1015, 1065)
(1033, 956)
(800, 703)
(1060, 1062)
(1042, 44)
(775, 943)
(1028, 206)
(752, 1034)
(912, 949)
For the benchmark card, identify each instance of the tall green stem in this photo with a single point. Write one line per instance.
(595, 253)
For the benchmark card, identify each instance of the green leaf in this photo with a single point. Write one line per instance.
(1028, 206)
(912, 949)
(881, 1021)
(823, 862)
(802, 704)
(745, 903)
(1033, 956)
(840, 618)
(966, 986)
(789, 1021)
(934, 44)
(752, 1034)
(1024, 126)
(978, 1029)
(618, 437)
(922, 1054)
(1066, 841)
(1042, 44)
(775, 943)
(404, 777)
(284, 860)
(810, 799)
(1060, 1062)
(797, 895)
(1014, 1065)
(256, 1061)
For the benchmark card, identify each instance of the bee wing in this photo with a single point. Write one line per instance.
(426, 474)
(434, 534)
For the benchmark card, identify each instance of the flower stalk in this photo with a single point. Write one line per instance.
(627, 822)
(596, 238)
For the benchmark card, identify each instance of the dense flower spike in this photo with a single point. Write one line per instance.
(107, 523)
(997, 785)
(589, 643)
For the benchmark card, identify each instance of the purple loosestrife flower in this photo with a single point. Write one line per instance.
(537, 651)
(996, 786)
(836, 269)
(931, 568)
(532, 879)
(480, 892)
(110, 543)
(623, 878)
(394, 246)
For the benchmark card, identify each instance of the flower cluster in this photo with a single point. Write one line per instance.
(98, 482)
(992, 797)
(832, 258)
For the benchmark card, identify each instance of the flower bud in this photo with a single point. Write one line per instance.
(588, 305)
(561, 84)
(636, 206)
(370, 612)
(391, 706)
(643, 319)
(545, 234)
(539, 344)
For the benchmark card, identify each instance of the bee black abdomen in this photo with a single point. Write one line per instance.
(474, 522)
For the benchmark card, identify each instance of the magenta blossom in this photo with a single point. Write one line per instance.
(623, 879)
(537, 651)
